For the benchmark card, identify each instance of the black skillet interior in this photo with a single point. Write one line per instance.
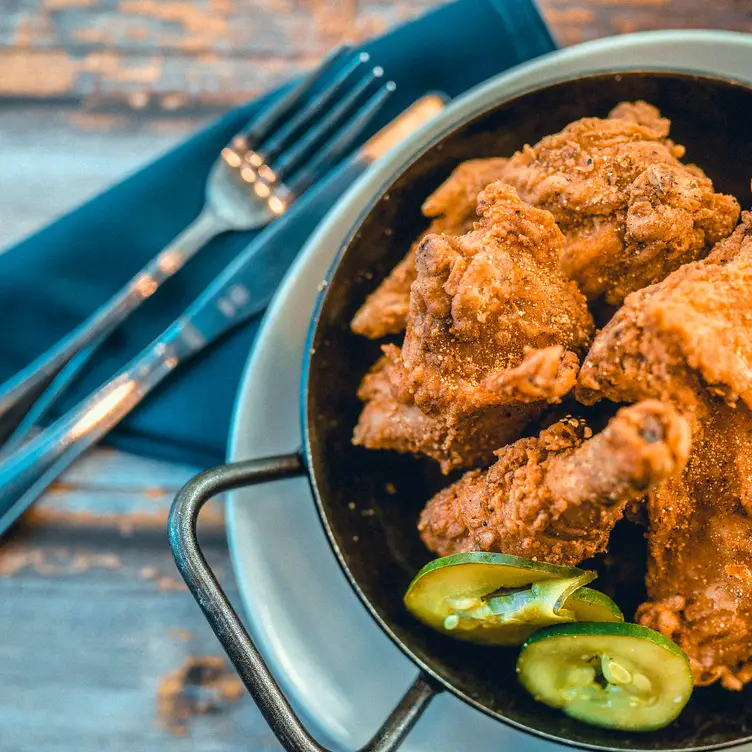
(370, 501)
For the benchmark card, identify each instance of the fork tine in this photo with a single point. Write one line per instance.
(274, 146)
(341, 143)
(260, 127)
(292, 159)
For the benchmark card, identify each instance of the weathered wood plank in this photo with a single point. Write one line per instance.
(127, 512)
(118, 493)
(108, 470)
(54, 157)
(223, 51)
(216, 50)
(93, 643)
(576, 21)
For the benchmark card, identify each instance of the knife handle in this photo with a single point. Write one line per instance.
(25, 473)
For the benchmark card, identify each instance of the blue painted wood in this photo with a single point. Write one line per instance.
(93, 625)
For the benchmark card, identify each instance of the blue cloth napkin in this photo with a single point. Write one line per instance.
(53, 280)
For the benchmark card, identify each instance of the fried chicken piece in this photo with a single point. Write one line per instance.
(557, 497)
(700, 569)
(683, 338)
(490, 327)
(452, 209)
(630, 210)
(642, 113)
(481, 300)
(689, 340)
(465, 440)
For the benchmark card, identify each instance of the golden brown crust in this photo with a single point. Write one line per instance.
(643, 113)
(463, 441)
(688, 340)
(557, 497)
(491, 335)
(700, 567)
(481, 300)
(688, 334)
(452, 209)
(630, 210)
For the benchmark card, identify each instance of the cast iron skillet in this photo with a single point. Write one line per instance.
(381, 553)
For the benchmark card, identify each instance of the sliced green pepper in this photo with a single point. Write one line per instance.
(620, 676)
(497, 599)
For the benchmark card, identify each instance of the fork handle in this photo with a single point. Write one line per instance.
(24, 474)
(21, 390)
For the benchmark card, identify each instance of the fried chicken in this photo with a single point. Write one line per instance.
(461, 439)
(491, 336)
(451, 208)
(699, 577)
(630, 210)
(556, 497)
(684, 339)
(688, 340)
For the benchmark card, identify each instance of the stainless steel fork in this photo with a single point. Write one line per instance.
(255, 179)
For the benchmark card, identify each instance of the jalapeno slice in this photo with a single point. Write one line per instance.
(497, 599)
(615, 675)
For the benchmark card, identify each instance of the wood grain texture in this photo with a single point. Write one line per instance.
(575, 21)
(172, 53)
(94, 628)
(54, 157)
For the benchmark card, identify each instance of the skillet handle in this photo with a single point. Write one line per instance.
(229, 629)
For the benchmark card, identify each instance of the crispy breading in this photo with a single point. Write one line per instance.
(491, 336)
(556, 497)
(688, 340)
(451, 208)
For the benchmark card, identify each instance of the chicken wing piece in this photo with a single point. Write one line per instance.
(689, 340)
(557, 497)
(452, 210)
(481, 301)
(489, 341)
(630, 210)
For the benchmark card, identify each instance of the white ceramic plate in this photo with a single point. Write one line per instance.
(339, 670)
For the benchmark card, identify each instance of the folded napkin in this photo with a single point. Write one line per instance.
(53, 280)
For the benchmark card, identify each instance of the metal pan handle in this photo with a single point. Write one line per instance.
(227, 625)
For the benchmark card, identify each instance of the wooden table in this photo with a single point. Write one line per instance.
(101, 646)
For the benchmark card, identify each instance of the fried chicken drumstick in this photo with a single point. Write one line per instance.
(688, 340)
(491, 335)
(631, 212)
(556, 497)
